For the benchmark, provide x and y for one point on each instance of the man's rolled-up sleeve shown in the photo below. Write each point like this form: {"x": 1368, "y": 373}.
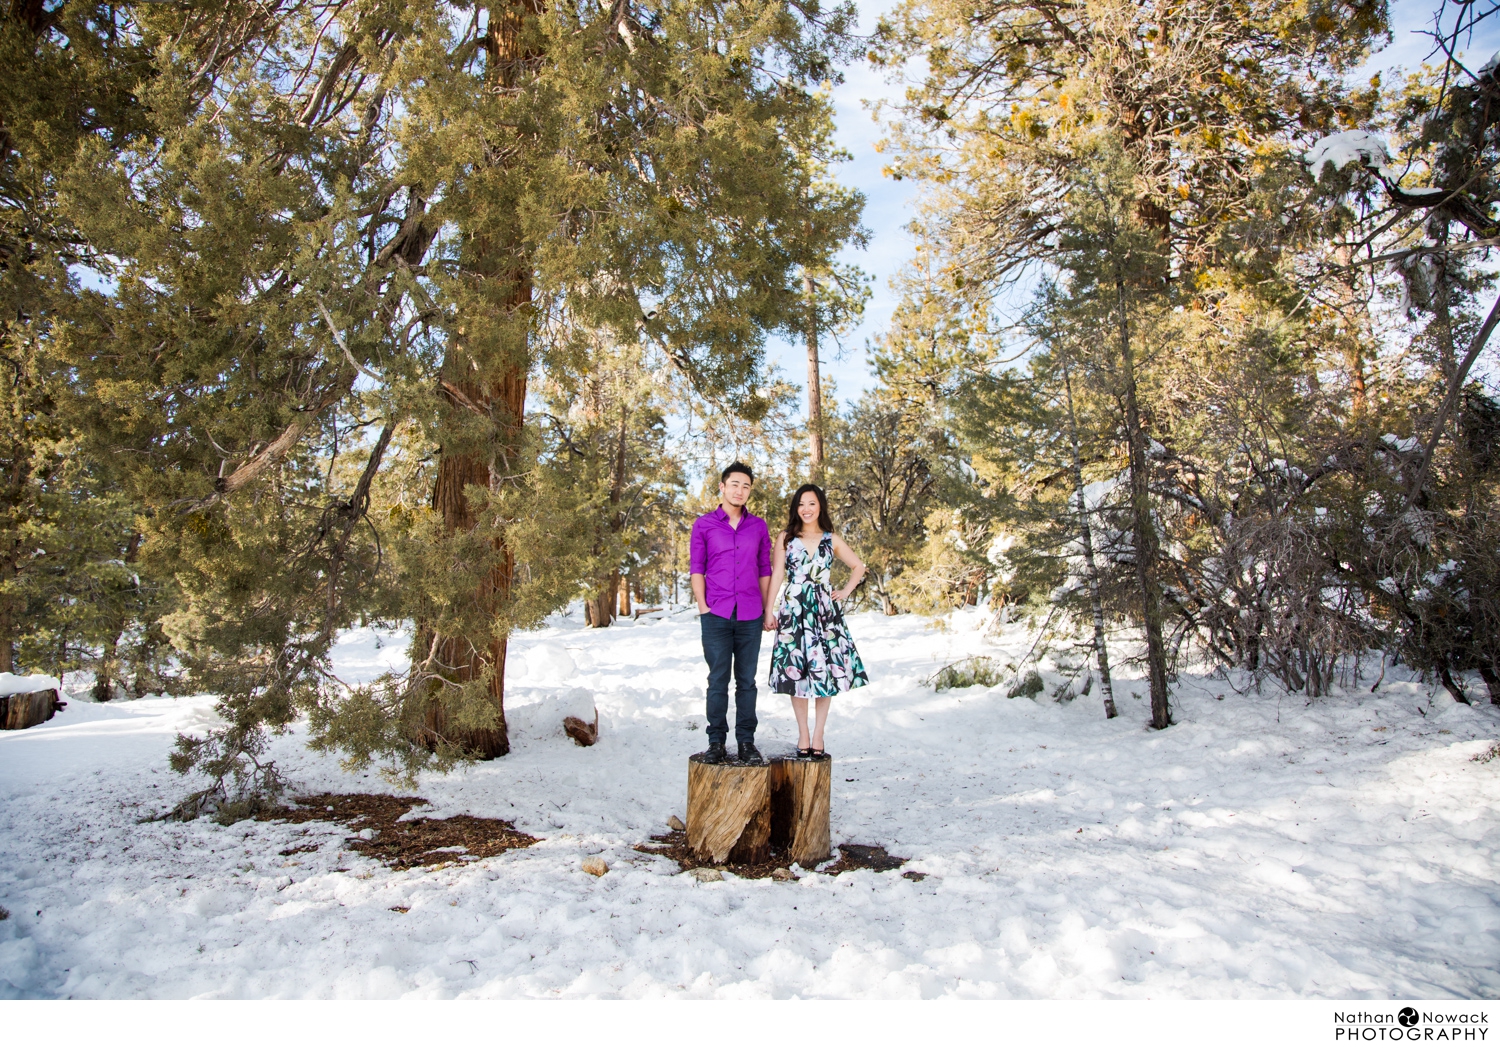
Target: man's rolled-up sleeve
{"x": 698, "y": 551}
{"x": 763, "y": 556}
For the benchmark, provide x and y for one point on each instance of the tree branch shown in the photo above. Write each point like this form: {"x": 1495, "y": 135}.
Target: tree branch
{"x": 1455, "y": 387}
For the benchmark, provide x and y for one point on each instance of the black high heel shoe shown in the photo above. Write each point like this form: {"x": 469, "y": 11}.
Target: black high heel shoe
{"x": 804, "y": 752}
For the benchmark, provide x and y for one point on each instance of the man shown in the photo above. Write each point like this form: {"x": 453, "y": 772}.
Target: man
{"x": 730, "y": 562}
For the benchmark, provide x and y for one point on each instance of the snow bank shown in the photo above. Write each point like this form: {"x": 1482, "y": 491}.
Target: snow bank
{"x": 1262, "y": 847}
{"x": 545, "y": 663}
{"x": 544, "y": 717}
{"x": 26, "y": 683}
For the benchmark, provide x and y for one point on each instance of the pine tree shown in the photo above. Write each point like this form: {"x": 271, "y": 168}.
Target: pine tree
{"x": 67, "y": 534}
{"x": 1147, "y": 151}
{"x": 884, "y": 478}
{"x": 607, "y": 448}
{"x": 1420, "y": 539}
{"x": 833, "y": 293}
{"x": 346, "y": 244}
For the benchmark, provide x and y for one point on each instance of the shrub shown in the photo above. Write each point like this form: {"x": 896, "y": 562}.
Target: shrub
{"x": 977, "y": 670}
{"x": 1028, "y": 685}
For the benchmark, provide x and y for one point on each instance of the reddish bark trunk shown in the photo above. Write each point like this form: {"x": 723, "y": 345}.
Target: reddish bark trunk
{"x": 482, "y": 657}
{"x": 467, "y": 659}
{"x": 814, "y": 385}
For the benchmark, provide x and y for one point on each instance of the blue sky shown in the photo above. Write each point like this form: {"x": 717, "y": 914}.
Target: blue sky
{"x": 889, "y": 205}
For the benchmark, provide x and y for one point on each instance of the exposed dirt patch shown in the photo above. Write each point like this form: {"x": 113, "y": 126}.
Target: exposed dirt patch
{"x": 851, "y": 857}
{"x": 402, "y": 844}
{"x": 673, "y": 846}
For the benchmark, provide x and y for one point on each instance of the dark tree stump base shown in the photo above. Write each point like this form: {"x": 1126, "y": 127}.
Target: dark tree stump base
{"x": 24, "y": 710}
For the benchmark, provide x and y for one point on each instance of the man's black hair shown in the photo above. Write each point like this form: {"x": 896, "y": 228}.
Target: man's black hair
{"x": 736, "y": 468}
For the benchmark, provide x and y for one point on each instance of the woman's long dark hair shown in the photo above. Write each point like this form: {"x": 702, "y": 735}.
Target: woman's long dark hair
{"x": 794, "y": 523}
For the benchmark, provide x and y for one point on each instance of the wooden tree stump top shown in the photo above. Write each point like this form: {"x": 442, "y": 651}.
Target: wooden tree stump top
{"x": 801, "y": 790}
{"x": 729, "y": 811}
{"x": 739, "y": 813}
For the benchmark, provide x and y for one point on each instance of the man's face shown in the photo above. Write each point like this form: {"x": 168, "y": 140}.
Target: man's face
{"x": 735, "y": 489}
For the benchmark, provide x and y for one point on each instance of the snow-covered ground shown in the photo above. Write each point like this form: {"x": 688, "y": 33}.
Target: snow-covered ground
{"x": 1263, "y": 846}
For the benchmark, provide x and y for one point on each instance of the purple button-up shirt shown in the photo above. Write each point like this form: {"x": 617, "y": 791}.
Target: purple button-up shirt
{"x": 732, "y": 562}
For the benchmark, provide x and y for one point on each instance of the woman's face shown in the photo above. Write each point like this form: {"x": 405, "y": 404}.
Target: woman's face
{"x": 808, "y": 508}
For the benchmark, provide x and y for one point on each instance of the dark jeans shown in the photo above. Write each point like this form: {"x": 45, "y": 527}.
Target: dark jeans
{"x": 731, "y": 645}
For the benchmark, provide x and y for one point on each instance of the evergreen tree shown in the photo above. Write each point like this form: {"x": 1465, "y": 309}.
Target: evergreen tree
{"x": 1419, "y": 539}
{"x": 349, "y": 239}
{"x": 68, "y": 583}
{"x": 1150, "y": 153}
{"x": 884, "y": 478}
{"x": 607, "y": 447}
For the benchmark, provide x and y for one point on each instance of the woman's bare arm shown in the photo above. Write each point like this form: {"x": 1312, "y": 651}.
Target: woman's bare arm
{"x": 842, "y": 552}
{"x": 778, "y": 575}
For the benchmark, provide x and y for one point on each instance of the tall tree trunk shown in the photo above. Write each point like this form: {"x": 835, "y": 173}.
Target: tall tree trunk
{"x": 1354, "y": 362}
{"x": 482, "y": 656}
{"x": 814, "y": 383}
{"x": 599, "y": 607}
{"x": 1445, "y": 675}
{"x": 1142, "y": 526}
{"x": 12, "y": 517}
{"x": 479, "y": 658}
{"x": 1450, "y": 400}
{"x": 109, "y": 658}
{"x": 1354, "y": 357}
{"x": 1091, "y": 570}
{"x": 1442, "y": 306}
{"x": 8, "y": 627}
{"x": 1491, "y": 678}
{"x": 602, "y": 608}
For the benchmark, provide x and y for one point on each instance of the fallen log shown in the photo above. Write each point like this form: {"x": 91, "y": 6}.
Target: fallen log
{"x": 584, "y": 734}
{"x": 24, "y": 710}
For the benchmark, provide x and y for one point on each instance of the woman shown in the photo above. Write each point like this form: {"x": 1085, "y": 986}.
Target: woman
{"x": 813, "y": 655}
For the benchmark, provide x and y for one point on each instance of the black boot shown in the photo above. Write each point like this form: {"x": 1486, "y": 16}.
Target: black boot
{"x": 715, "y": 754}
{"x": 749, "y": 755}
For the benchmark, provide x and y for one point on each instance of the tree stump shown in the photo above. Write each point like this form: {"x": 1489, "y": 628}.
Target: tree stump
{"x": 729, "y": 812}
{"x": 800, "y": 791}
{"x": 24, "y": 710}
{"x": 739, "y": 813}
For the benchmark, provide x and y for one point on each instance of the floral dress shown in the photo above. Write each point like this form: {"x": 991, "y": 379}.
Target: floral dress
{"x": 813, "y": 655}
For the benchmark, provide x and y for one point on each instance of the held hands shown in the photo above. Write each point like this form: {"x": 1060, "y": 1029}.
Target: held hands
{"x": 770, "y": 622}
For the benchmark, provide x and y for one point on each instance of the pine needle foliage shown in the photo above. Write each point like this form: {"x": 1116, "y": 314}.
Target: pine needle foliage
{"x": 299, "y": 263}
